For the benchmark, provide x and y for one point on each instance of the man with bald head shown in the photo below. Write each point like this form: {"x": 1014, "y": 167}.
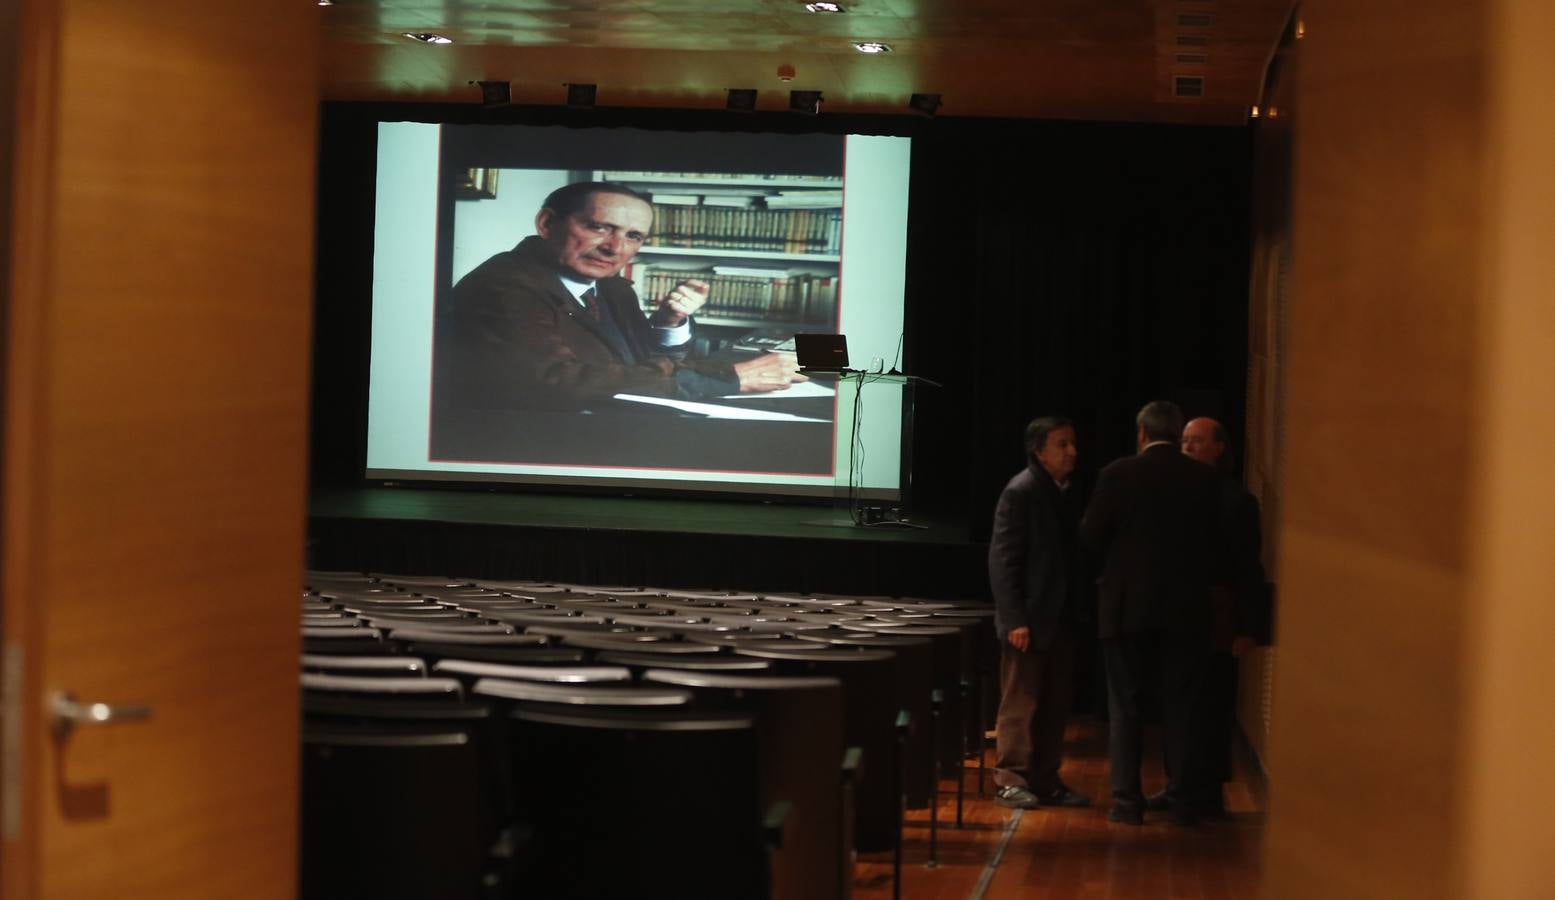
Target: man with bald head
{"x": 1237, "y": 605}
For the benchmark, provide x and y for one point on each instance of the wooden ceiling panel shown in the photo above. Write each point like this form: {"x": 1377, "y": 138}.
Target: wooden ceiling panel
{"x": 1061, "y": 58}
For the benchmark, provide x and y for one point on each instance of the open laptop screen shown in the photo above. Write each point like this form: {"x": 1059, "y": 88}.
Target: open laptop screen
{"x": 821, "y": 352}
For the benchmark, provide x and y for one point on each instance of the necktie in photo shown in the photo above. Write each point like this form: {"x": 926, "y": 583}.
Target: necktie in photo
{"x": 591, "y": 304}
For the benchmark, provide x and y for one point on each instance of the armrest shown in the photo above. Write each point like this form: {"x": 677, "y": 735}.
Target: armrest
{"x": 852, "y": 764}
{"x": 772, "y": 823}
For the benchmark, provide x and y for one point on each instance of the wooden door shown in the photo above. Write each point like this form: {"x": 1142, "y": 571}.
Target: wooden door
{"x": 157, "y": 305}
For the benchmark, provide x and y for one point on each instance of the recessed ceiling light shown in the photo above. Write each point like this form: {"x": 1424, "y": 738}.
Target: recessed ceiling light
{"x": 326, "y": 2}
{"x": 824, "y": 7}
{"x": 427, "y": 37}
{"x": 872, "y": 47}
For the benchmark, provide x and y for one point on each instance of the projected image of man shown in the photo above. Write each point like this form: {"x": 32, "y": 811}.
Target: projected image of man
{"x": 551, "y": 324}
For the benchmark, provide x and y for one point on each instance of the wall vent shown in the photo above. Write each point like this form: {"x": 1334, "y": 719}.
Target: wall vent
{"x": 1188, "y": 86}
{"x": 1193, "y": 59}
{"x": 1192, "y": 40}
{"x": 1195, "y": 20}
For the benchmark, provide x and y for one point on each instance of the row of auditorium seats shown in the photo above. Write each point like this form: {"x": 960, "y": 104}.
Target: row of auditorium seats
{"x": 474, "y": 738}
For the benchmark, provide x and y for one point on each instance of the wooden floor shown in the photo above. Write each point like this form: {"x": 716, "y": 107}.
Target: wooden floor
{"x": 1074, "y": 853}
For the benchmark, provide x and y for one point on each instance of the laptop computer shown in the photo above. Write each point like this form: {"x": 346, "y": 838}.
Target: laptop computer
{"x": 822, "y": 352}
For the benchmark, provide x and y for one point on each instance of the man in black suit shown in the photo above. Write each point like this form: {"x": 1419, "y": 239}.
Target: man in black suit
{"x": 1033, "y": 574}
{"x": 1239, "y": 608}
{"x": 1153, "y": 521}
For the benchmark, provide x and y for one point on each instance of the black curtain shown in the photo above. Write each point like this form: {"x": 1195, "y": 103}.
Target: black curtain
{"x": 1077, "y": 269}
{"x": 1070, "y": 269}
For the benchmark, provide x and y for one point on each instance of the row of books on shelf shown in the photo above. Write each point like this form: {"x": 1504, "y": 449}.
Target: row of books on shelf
{"x": 744, "y": 198}
{"x": 817, "y": 231}
{"x": 744, "y": 292}
{"x": 623, "y": 175}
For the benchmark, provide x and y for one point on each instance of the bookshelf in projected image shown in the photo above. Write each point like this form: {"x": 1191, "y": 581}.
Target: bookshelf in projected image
{"x": 769, "y": 246}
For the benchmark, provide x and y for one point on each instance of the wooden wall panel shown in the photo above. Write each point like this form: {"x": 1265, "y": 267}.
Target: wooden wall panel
{"x": 1510, "y": 737}
{"x": 1382, "y": 373}
{"x": 1411, "y": 749}
{"x": 156, "y": 436}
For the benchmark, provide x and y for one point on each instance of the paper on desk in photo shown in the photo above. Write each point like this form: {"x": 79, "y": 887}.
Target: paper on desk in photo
{"x": 798, "y": 390}
{"x": 718, "y": 410}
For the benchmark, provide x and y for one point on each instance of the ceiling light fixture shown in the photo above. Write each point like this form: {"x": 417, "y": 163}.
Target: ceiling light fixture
{"x": 872, "y": 47}
{"x": 824, "y": 7}
{"x": 326, "y": 2}
{"x": 427, "y": 37}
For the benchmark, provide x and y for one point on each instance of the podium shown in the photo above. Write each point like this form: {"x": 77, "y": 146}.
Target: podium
{"x": 856, "y": 490}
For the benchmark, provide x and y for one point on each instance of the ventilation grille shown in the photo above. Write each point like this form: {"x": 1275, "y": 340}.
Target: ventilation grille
{"x": 1192, "y": 58}
{"x": 1192, "y": 40}
{"x": 1188, "y": 86}
{"x": 1195, "y": 20}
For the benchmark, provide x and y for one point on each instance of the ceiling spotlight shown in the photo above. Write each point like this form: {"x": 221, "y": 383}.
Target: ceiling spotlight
{"x": 824, "y": 7}
{"x": 580, "y": 95}
{"x": 807, "y": 102}
{"x": 924, "y": 104}
{"x": 741, "y": 99}
{"x": 1255, "y": 111}
{"x": 326, "y": 2}
{"x": 495, "y": 93}
{"x": 872, "y": 47}
{"x": 427, "y": 37}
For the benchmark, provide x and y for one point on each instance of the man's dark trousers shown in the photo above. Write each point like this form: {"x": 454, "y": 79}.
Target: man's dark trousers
{"x": 1037, "y": 686}
{"x": 1176, "y": 663}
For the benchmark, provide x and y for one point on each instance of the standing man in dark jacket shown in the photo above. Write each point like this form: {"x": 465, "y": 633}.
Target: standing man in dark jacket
{"x": 1239, "y": 608}
{"x": 1153, "y": 521}
{"x": 1033, "y": 573}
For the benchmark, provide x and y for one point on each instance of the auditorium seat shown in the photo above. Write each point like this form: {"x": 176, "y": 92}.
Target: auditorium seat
{"x": 370, "y": 666}
{"x": 915, "y": 680}
{"x": 952, "y": 666}
{"x": 870, "y": 716}
{"x": 470, "y": 671}
{"x": 634, "y": 641}
{"x": 341, "y": 641}
{"x": 800, "y": 750}
{"x": 650, "y": 802}
{"x": 412, "y": 637}
{"x": 643, "y": 658}
{"x": 407, "y": 792}
{"x": 387, "y": 813}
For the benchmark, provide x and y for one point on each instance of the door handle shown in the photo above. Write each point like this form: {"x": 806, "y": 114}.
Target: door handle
{"x": 70, "y": 712}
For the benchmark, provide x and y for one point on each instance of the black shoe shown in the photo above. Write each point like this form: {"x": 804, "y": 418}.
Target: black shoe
{"x": 1065, "y": 797}
{"x": 1126, "y": 815}
{"x": 1158, "y": 802}
{"x": 1014, "y": 797}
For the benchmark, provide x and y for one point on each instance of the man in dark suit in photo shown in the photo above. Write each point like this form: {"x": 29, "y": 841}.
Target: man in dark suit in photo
{"x": 1154, "y": 524}
{"x": 1037, "y": 589}
{"x": 551, "y": 324}
{"x": 1239, "y": 608}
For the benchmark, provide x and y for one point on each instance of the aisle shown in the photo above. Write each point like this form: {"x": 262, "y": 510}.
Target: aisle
{"x": 1000, "y": 854}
